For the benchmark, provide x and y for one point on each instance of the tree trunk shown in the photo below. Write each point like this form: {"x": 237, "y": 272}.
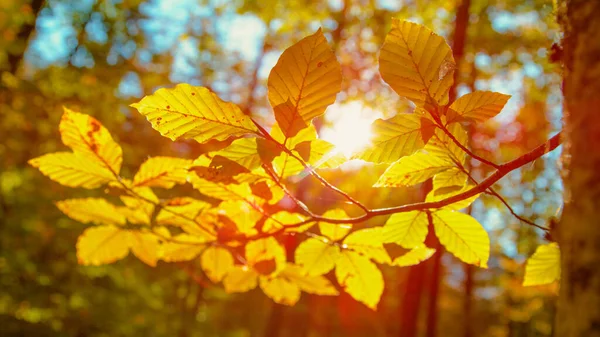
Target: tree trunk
{"x": 578, "y": 233}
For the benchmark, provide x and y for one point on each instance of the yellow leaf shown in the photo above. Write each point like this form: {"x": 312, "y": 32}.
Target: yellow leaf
{"x": 396, "y": 137}
{"x": 441, "y": 194}
{"x": 162, "y": 172}
{"x": 216, "y": 263}
{"x": 94, "y": 210}
{"x": 85, "y": 135}
{"x": 285, "y": 219}
{"x": 332, "y": 231}
{"x": 305, "y": 80}
{"x": 408, "y": 230}
{"x": 320, "y": 154}
{"x": 417, "y": 64}
{"x": 453, "y": 177}
{"x": 442, "y": 146}
{"x": 462, "y": 236}
{"x": 187, "y": 112}
{"x": 218, "y": 190}
{"x": 477, "y": 106}
{"x": 281, "y": 290}
{"x": 267, "y": 249}
{"x": 243, "y": 151}
{"x": 72, "y": 170}
{"x": 240, "y": 279}
{"x": 543, "y": 266}
{"x": 183, "y": 247}
{"x": 139, "y": 210}
{"x": 368, "y": 242}
{"x": 360, "y": 278}
{"x": 145, "y": 246}
{"x": 318, "y": 285}
{"x": 102, "y": 245}
{"x": 242, "y": 214}
{"x": 414, "y": 256}
{"x": 316, "y": 257}
{"x": 413, "y": 169}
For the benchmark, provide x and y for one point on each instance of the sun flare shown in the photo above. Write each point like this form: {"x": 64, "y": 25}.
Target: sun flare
{"x": 350, "y": 129}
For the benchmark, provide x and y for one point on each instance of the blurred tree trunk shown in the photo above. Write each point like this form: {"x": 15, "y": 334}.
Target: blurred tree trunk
{"x": 578, "y": 233}
{"x": 26, "y": 31}
{"x": 459, "y": 41}
{"x": 411, "y": 301}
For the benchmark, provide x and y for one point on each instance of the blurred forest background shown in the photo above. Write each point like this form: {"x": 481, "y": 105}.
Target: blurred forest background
{"x": 99, "y": 56}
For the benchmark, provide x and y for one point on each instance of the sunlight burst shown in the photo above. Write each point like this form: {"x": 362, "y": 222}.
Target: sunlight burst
{"x": 350, "y": 129}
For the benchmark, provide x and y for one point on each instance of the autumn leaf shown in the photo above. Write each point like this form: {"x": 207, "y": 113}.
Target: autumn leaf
{"x": 414, "y": 256}
{"x": 316, "y": 257}
{"x": 187, "y": 112}
{"x": 543, "y": 266}
{"x": 162, "y": 172}
{"x": 240, "y": 279}
{"x": 333, "y": 231}
{"x": 86, "y": 136}
{"x": 396, "y": 137}
{"x": 413, "y": 169}
{"x": 369, "y": 243}
{"x": 417, "y": 64}
{"x": 92, "y": 210}
{"x": 72, "y": 170}
{"x": 462, "y": 236}
{"x": 182, "y": 247}
{"x": 102, "y": 245}
{"x": 305, "y": 80}
{"x": 360, "y": 278}
{"x": 408, "y": 229}
{"x": 477, "y": 106}
{"x": 216, "y": 263}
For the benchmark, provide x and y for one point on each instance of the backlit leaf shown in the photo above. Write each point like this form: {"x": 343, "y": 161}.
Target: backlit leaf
{"x": 72, "y": 170}
{"x": 91, "y": 210}
{"x": 407, "y": 229}
{"x": 453, "y": 177}
{"x": 414, "y": 256}
{"x": 368, "y": 242}
{"x": 187, "y": 112}
{"x": 240, "y": 279}
{"x": 267, "y": 249}
{"x": 413, "y": 169}
{"x": 85, "y": 135}
{"x": 145, "y": 246}
{"x": 162, "y": 172}
{"x": 396, "y": 137}
{"x": 318, "y": 285}
{"x": 462, "y": 236}
{"x": 360, "y": 278}
{"x": 183, "y": 247}
{"x": 316, "y": 256}
{"x": 441, "y": 194}
{"x": 477, "y": 106}
{"x": 102, "y": 245}
{"x": 305, "y": 80}
{"x": 332, "y": 231}
{"x": 417, "y": 63}
{"x": 543, "y": 266}
{"x": 442, "y": 146}
{"x": 280, "y": 289}
{"x": 216, "y": 263}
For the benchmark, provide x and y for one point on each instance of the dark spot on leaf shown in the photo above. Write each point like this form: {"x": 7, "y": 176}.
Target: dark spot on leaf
{"x": 95, "y": 126}
{"x": 168, "y": 107}
{"x": 193, "y": 94}
{"x": 266, "y": 267}
{"x": 319, "y": 64}
{"x": 94, "y": 147}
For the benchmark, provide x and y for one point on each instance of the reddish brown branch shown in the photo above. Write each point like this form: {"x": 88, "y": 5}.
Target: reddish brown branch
{"x": 502, "y": 170}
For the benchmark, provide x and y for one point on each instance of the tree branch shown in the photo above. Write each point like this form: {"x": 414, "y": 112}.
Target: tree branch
{"x": 502, "y": 170}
